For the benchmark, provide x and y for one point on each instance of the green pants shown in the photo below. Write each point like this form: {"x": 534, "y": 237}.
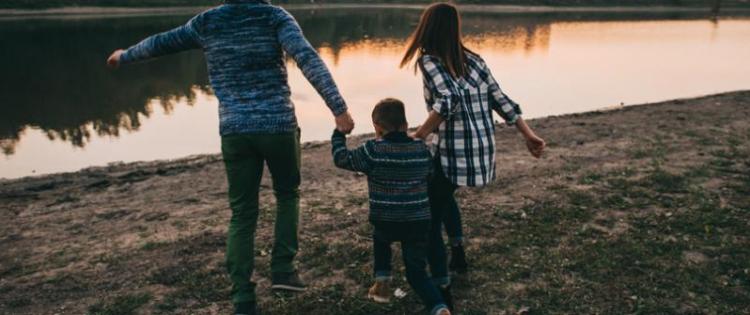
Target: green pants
{"x": 244, "y": 156}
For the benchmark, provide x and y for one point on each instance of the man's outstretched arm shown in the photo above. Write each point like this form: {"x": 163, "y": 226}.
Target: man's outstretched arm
{"x": 179, "y": 39}
{"x": 315, "y": 70}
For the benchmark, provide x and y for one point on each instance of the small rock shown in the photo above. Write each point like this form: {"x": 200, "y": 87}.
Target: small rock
{"x": 694, "y": 257}
{"x": 399, "y": 294}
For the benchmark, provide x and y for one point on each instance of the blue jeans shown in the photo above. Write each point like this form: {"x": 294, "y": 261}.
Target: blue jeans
{"x": 444, "y": 211}
{"x": 414, "y": 245}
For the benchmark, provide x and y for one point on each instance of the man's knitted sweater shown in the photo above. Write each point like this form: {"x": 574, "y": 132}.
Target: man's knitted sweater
{"x": 244, "y": 42}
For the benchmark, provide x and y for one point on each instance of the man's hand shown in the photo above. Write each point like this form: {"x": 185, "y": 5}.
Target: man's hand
{"x": 536, "y": 146}
{"x": 345, "y": 123}
{"x": 114, "y": 59}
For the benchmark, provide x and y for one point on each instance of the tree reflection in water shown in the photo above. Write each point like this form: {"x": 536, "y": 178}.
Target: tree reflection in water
{"x": 54, "y": 77}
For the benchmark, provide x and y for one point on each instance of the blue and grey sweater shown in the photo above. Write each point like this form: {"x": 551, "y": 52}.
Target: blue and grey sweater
{"x": 397, "y": 169}
{"x": 244, "y": 42}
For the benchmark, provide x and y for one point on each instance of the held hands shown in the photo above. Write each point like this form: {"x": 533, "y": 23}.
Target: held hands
{"x": 114, "y": 60}
{"x": 345, "y": 123}
{"x": 535, "y": 145}
{"x": 418, "y": 135}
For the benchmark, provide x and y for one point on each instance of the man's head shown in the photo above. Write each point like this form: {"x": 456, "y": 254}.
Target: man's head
{"x": 389, "y": 116}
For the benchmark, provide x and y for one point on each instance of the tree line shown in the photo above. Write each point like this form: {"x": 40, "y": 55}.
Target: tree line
{"x": 162, "y": 3}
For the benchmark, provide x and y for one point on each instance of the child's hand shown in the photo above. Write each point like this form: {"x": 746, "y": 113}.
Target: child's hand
{"x": 114, "y": 59}
{"x": 417, "y": 136}
{"x": 536, "y": 146}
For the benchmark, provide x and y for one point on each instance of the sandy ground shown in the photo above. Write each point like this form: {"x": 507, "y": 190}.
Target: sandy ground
{"x": 149, "y": 237}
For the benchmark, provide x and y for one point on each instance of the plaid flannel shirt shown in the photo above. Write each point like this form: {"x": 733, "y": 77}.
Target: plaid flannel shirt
{"x": 465, "y": 141}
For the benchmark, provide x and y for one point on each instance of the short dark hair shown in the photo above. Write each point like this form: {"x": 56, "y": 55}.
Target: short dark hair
{"x": 389, "y": 114}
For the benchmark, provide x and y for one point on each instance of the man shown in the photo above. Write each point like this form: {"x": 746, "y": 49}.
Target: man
{"x": 244, "y": 42}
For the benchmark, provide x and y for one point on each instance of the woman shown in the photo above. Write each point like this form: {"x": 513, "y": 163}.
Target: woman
{"x": 461, "y": 94}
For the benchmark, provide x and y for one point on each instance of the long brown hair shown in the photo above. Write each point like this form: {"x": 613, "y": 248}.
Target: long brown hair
{"x": 439, "y": 34}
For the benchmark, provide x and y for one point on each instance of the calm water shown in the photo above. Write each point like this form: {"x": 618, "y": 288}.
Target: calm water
{"x": 62, "y": 110}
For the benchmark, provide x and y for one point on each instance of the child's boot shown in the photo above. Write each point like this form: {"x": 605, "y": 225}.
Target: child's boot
{"x": 380, "y": 292}
{"x": 443, "y": 311}
{"x": 445, "y": 291}
{"x": 458, "y": 259}
{"x": 246, "y": 308}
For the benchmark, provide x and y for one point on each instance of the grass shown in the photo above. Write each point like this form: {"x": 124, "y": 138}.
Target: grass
{"x": 122, "y": 305}
{"x": 195, "y": 282}
{"x": 644, "y": 272}
{"x": 154, "y": 245}
{"x": 664, "y": 231}
{"x": 642, "y": 240}
{"x": 19, "y": 302}
{"x": 563, "y": 268}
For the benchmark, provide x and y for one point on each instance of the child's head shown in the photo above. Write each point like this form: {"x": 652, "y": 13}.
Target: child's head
{"x": 389, "y": 116}
{"x": 439, "y": 34}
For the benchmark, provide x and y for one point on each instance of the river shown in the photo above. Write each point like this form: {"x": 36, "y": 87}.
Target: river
{"x": 63, "y": 110}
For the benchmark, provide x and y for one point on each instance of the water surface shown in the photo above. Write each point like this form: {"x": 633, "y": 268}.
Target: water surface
{"x": 62, "y": 110}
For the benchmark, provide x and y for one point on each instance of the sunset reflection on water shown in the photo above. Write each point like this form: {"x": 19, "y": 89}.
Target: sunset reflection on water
{"x": 550, "y": 67}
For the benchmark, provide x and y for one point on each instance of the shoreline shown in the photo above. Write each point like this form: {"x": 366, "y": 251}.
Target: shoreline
{"x": 312, "y": 144}
{"x": 135, "y": 11}
{"x": 619, "y": 196}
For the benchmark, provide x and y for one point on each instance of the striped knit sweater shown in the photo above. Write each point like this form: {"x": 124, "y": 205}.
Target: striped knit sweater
{"x": 244, "y": 42}
{"x": 397, "y": 169}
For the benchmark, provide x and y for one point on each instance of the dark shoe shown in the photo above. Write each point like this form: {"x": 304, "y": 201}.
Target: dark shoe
{"x": 246, "y": 308}
{"x": 287, "y": 282}
{"x": 458, "y": 260}
{"x": 447, "y": 297}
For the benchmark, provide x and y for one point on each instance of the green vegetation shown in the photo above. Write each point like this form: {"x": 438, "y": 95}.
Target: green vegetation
{"x": 649, "y": 221}
{"x": 122, "y": 305}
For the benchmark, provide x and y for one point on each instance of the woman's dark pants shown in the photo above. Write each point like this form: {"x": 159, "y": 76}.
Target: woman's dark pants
{"x": 444, "y": 208}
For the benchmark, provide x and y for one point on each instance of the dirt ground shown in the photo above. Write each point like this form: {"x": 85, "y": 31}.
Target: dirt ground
{"x": 643, "y": 209}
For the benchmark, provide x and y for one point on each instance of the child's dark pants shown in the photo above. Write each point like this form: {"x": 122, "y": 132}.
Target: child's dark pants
{"x": 414, "y": 240}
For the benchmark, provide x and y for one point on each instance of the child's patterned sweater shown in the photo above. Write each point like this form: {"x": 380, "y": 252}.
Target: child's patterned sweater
{"x": 397, "y": 169}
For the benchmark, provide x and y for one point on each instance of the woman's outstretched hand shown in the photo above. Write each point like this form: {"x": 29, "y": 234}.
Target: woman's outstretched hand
{"x": 345, "y": 123}
{"x": 535, "y": 145}
{"x": 114, "y": 60}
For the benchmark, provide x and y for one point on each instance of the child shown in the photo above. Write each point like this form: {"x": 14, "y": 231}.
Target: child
{"x": 397, "y": 169}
